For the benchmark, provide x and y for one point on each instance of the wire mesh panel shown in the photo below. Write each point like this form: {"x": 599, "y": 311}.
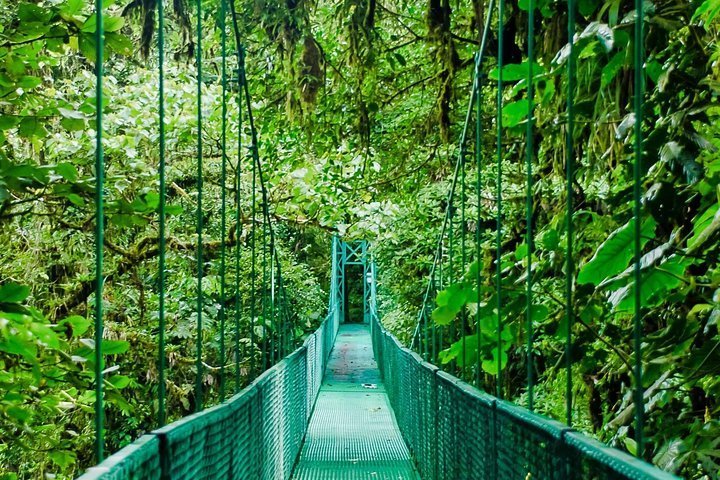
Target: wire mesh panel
{"x": 294, "y": 408}
{"x": 138, "y": 461}
{"x": 244, "y": 411}
{"x": 589, "y": 459}
{"x": 311, "y": 368}
{"x": 422, "y": 428}
{"x": 271, "y": 414}
{"x": 456, "y": 431}
{"x": 257, "y": 433}
{"x": 465, "y": 431}
{"x": 527, "y": 445}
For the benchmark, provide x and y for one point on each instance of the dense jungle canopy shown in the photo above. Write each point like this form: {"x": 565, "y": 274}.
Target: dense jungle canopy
{"x": 359, "y": 105}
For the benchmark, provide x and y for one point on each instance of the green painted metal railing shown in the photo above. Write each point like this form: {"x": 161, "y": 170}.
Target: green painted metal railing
{"x": 257, "y": 433}
{"x": 454, "y": 430}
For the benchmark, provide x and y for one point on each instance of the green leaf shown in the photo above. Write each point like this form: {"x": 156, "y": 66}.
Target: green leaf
{"x": 119, "y": 43}
{"x": 587, "y": 7}
{"x": 114, "y": 347}
{"x": 704, "y": 226}
{"x": 90, "y": 24}
{"x": 455, "y": 351}
{"x": 708, "y": 10}
{"x": 14, "y": 293}
{"x": 67, "y": 171}
{"x": 491, "y": 366}
{"x": 539, "y": 313}
{"x": 30, "y": 13}
{"x": 655, "y": 284}
{"x": 86, "y": 44}
{"x": 119, "y": 381}
{"x": 443, "y": 315}
{"x": 453, "y": 297}
{"x": 514, "y": 72}
{"x": 610, "y": 71}
{"x": 45, "y": 334}
{"x": 28, "y": 82}
{"x": 75, "y": 199}
{"x": 73, "y": 7}
{"x": 62, "y": 458}
{"x": 515, "y": 113}
{"x": 173, "y": 209}
{"x": 8, "y": 121}
{"x": 113, "y": 24}
{"x": 614, "y": 254}
{"x": 20, "y": 414}
{"x": 630, "y": 445}
{"x": 78, "y": 324}
{"x": 127, "y": 220}
{"x": 549, "y": 240}
{"x": 32, "y": 127}
{"x": 110, "y": 24}
{"x": 152, "y": 200}
{"x": 17, "y": 346}
{"x": 654, "y": 70}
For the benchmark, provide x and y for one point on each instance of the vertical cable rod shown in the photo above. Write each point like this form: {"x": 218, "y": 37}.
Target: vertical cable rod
{"x": 570, "y": 174}
{"x": 161, "y": 212}
{"x": 463, "y": 257}
{"x": 238, "y": 235}
{"x": 529, "y": 152}
{"x": 199, "y": 220}
{"x": 478, "y": 185}
{"x": 498, "y": 200}
{"x": 637, "y": 178}
{"x": 99, "y": 232}
{"x": 223, "y": 192}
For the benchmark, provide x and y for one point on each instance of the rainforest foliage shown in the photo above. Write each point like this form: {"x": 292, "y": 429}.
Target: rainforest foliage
{"x": 359, "y": 105}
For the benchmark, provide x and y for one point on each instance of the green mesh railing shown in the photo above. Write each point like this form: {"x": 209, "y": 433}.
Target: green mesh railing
{"x": 257, "y": 433}
{"x": 454, "y": 430}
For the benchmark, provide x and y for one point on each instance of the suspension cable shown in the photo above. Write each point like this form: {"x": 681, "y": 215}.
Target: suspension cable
{"x": 529, "y": 152}
{"x": 498, "y": 199}
{"x": 639, "y": 79}
{"x": 478, "y": 184}
{"x": 570, "y": 174}
{"x": 223, "y": 197}
{"x": 99, "y": 232}
{"x": 463, "y": 259}
{"x": 161, "y": 212}
{"x": 199, "y": 219}
{"x": 238, "y": 232}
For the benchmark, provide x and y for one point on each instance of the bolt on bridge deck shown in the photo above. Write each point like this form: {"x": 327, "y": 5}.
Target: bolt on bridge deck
{"x": 353, "y": 433}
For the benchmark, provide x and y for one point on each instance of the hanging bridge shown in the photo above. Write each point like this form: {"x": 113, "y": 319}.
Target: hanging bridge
{"x": 351, "y": 401}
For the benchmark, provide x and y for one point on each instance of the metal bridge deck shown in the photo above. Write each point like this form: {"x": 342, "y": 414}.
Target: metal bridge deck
{"x": 353, "y": 433}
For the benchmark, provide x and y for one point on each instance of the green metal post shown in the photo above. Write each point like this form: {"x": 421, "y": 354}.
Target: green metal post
{"x": 199, "y": 220}
{"x": 638, "y": 391}
{"x": 161, "y": 263}
{"x": 478, "y": 236}
{"x": 223, "y": 195}
{"x": 498, "y": 218}
{"x": 99, "y": 232}
{"x": 570, "y": 174}
{"x": 529, "y": 152}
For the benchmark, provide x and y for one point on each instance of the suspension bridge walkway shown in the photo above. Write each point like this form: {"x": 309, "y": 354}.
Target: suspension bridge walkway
{"x": 351, "y": 402}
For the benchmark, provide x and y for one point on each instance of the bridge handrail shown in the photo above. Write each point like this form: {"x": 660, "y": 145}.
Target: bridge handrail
{"x": 257, "y": 433}
{"x": 454, "y": 430}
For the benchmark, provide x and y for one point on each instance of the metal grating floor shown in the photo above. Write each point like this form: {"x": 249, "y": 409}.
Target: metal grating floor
{"x": 353, "y": 433}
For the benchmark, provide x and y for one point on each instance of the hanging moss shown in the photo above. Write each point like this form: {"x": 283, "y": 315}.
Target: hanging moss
{"x": 311, "y": 70}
